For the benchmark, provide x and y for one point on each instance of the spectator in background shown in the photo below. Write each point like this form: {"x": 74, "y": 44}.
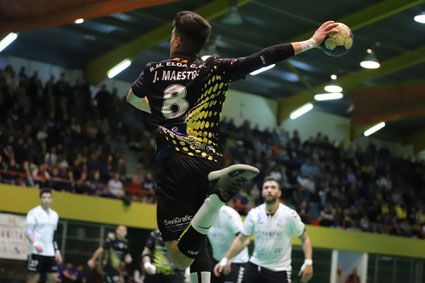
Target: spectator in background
{"x": 149, "y": 184}
{"x": 68, "y": 274}
{"x": 134, "y": 188}
{"x": 82, "y": 185}
{"x": 41, "y": 176}
{"x": 353, "y": 277}
{"x": 116, "y": 187}
{"x": 97, "y": 186}
{"x": 82, "y": 275}
{"x": 50, "y": 157}
{"x": 339, "y": 275}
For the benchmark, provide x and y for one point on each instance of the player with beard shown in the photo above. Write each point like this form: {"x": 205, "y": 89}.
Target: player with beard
{"x": 272, "y": 224}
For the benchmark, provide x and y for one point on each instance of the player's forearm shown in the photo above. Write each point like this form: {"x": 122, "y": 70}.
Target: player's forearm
{"x": 307, "y": 247}
{"x": 146, "y": 255}
{"x": 302, "y": 46}
{"x": 31, "y": 239}
{"x": 97, "y": 253}
{"x": 238, "y": 244}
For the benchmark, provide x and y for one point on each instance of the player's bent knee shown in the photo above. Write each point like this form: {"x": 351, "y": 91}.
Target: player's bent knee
{"x": 180, "y": 260}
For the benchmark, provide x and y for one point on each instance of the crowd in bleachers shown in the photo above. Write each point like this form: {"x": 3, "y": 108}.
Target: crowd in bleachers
{"x": 72, "y": 139}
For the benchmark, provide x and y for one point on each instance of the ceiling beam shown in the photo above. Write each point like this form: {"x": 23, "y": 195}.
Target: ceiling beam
{"x": 370, "y": 15}
{"x": 352, "y": 80}
{"x": 374, "y": 105}
{"x": 355, "y": 21}
{"x": 43, "y": 14}
{"x": 97, "y": 69}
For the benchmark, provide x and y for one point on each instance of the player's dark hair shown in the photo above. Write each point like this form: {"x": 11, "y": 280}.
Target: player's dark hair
{"x": 45, "y": 191}
{"x": 193, "y": 30}
{"x": 270, "y": 178}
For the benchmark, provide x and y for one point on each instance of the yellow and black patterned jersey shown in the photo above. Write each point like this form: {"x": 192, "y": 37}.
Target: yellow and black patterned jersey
{"x": 186, "y": 96}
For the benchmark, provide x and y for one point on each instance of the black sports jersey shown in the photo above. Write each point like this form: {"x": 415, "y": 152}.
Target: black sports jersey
{"x": 160, "y": 258}
{"x": 114, "y": 252}
{"x": 186, "y": 96}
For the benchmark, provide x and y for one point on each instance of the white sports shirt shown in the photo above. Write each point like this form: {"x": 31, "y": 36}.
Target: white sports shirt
{"x": 44, "y": 225}
{"x": 273, "y": 236}
{"x": 227, "y": 225}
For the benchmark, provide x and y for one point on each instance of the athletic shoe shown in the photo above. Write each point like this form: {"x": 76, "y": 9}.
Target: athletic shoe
{"x": 228, "y": 181}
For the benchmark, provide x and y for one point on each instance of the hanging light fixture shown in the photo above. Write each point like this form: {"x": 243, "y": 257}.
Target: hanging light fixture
{"x": 370, "y": 61}
{"x": 420, "y": 18}
{"x": 233, "y": 17}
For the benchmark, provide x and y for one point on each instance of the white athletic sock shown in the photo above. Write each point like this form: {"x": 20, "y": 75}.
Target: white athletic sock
{"x": 207, "y": 213}
{"x": 205, "y": 277}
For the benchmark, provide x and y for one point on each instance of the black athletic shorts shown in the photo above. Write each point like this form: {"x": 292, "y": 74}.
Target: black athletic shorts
{"x": 257, "y": 274}
{"x": 42, "y": 264}
{"x": 236, "y": 274}
{"x": 182, "y": 188}
{"x": 112, "y": 275}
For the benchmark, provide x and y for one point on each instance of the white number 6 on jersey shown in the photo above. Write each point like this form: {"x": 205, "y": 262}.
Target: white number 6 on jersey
{"x": 174, "y": 103}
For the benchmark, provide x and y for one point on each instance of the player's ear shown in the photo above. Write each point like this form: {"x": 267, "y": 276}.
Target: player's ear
{"x": 178, "y": 41}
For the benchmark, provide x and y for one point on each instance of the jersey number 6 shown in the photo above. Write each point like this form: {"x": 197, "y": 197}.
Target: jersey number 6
{"x": 174, "y": 103}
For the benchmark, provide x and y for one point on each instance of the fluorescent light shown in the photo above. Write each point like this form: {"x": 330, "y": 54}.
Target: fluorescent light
{"x": 79, "y": 21}
{"x": 301, "y": 111}
{"x": 420, "y": 18}
{"x": 370, "y": 64}
{"x": 333, "y": 88}
{"x": 119, "y": 68}
{"x": 263, "y": 69}
{"x": 328, "y": 96}
{"x": 374, "y": 129}
{"x": 8, "y": 39}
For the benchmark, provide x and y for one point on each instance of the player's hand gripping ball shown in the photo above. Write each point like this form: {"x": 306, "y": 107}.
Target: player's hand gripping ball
{"x": 338, "y": 43}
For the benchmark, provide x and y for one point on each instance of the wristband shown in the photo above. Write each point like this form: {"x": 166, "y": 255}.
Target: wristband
{"x": 223, "y": 261}
{"x": 148, "y": 265}
{"x": 306, "y": 262}
{"x": 35, "y": 243}
{"x": 308, "y": 44}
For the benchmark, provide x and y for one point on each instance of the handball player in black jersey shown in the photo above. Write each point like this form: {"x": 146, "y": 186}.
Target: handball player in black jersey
{"x": 184, "y": 96}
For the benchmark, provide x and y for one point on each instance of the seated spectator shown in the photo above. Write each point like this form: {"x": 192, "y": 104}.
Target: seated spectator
{"x": 134, "y": 188}
{"x": 115, "y": 187}
{"x": 82, "y": 185}
{"x": 82, "y": 275}
{"x": 149, "y": 185}
{"x": 68, "y": 274}
{"x": 41, "y": 176}
{"x": 97, "y": 186}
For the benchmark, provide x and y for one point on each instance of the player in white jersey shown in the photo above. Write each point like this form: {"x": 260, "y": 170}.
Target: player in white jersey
{"x": 272, "y": 224}
{"x": 44, "y": 254}
{"x": 221, "y": 235}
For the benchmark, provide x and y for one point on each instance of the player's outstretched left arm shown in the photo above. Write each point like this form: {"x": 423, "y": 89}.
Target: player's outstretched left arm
{"x": 139, "y": 103}
{"x": 318, "y": 37}
{"x": 306, "y": 271}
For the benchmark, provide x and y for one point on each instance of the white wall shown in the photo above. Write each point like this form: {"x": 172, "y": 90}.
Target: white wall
{"x": 46, "y": 70}
{"x": 396, "y": 148}
{"x": 337, "y": 128}
{"x": 256, "y": 109}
